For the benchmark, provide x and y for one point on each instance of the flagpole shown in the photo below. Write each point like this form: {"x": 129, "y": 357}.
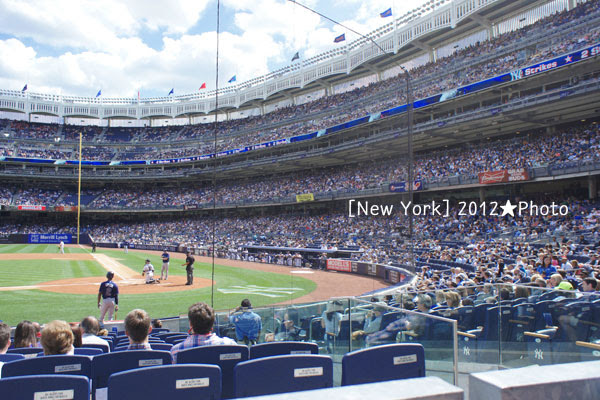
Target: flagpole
{"x": 409, "y": 122}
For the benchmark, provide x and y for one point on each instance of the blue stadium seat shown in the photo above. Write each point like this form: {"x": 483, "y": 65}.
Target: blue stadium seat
{"x": 26, "y": 351}
{"x": 154, "y": 346}
{"x": 226, "y": 357}
{"x": 87, "y": 351}
{"x": 173, "y": 382}
{"x": 102, "y": 347}
{"x": 27, "y": 387}
{"x": 159, "y": 330}
{"x": 174, "y": 339}
{"x": 282, "y": 374}
{"x": 105, "y": 365}
{"x": 282, "y": 348}
{"x": 60, "y": 364}
{"x": 11, "y": 357}
{"x": 383, "y": 363}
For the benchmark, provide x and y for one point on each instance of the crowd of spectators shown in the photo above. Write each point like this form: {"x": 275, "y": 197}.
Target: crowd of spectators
{"x": 574, "y": 143}
{"x": 468, "y": 65}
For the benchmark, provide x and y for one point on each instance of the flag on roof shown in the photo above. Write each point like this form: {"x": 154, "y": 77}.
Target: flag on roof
{"x": 171, "y": 92}
{"x": 386, "y": 13}
{"x": 203, "y": 86}
{"x": 24, "y": 88}
{"x": 296, "y": 56}
{"x": 233, "y": 79}
{"x": 99, "y": 93}
{"x": 340, "y": 38}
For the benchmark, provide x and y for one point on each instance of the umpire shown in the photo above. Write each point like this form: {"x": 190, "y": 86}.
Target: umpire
{"x": 189, "y": 267}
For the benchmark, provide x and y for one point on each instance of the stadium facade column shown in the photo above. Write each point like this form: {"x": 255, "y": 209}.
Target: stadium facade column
{"x": 481, "y": 194}
{"x": 593, "y": 187}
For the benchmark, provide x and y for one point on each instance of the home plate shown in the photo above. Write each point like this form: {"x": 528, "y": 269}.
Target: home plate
{"x": 303, "y": 272}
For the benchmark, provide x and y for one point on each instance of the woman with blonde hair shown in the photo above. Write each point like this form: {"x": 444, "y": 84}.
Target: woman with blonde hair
{"x": 57, "y": 338}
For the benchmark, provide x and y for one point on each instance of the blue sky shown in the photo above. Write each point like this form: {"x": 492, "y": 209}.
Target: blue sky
{"x": 122, "y": 47}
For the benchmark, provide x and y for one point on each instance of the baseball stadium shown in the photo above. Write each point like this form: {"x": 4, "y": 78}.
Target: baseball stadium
{"x": 366, "y": 199}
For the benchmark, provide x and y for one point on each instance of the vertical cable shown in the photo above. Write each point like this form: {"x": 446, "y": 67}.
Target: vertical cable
{"x": 214, "y": 178}
{"x": 79, "y": 188}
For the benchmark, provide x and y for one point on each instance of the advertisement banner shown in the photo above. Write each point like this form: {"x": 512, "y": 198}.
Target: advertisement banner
{"x": 47, "y": 238}
{"x": 65, "y": 208}
{"x": 503, "y": 176}
{"x": 401, "y": 186}
{"x": 305, "y": 197}
{"x": 339, "y": 265}
{"x": 28, "y": 207}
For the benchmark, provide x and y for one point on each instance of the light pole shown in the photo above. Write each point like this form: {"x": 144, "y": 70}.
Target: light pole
{"x": 409, "y": 123}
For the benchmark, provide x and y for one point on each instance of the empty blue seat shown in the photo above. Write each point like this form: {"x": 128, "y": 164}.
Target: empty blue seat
{"x": 32, "y": 387}
{"x": 282, "y": 374}
{"x": 56, "y": 364}
{"x": 282, "y": 348}
{"x": 174, "y": 339}
{"x": 172, "y": 382}
{"x": 383, "y": 363}
{"x": 226, "y": 357}
{"x": 105, "y": 365}
{"x": 104, "y": 348}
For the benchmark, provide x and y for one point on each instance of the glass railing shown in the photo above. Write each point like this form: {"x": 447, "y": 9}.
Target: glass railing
{"x": 343, "y": 325}
{"x": 509, "y": 326}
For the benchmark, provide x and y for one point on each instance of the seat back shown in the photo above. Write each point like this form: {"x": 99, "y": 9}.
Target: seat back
{"x": 105, "y": 348}
{"x": 104, "y": 365}
{"x": 285, "y": 374}
{"x": 383, "y": 363}
{"x": 11, "y": 357}
{"x": 28, "y": 352}
{"x": 225, "y": 356}
{"x": 173, "y": 382}
{"x": 44, "y": 386}
{"x": 174, "y": 339}
{"x": 87, "y": 351}
{"x": 48, "y": 365}
{"x": 282, "y": 348}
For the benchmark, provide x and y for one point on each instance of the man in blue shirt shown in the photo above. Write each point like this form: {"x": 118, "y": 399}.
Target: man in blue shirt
{"x": 108, "y": 297}
{"x": 165, "y": 266}
{"x": 248, "y": 324}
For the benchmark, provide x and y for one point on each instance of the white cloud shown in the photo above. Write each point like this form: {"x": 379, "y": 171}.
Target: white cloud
{"x": 88, "y": 45}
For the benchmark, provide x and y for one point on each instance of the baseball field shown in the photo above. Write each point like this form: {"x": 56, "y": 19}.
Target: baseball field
{"x": 40, "y": 284}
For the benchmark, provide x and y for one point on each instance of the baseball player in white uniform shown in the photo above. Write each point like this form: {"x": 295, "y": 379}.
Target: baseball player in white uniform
{"x": 61, "y": 247}
{"x": 149, "y": 272}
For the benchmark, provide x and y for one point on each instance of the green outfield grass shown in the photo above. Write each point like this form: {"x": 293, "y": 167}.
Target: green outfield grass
{"x": 262, "y": 288}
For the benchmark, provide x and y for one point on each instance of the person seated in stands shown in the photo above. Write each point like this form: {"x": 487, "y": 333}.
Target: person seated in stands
{"x": 546, "y": 269}
{"x": 589, "y": 285}
{"x": 288, "y": 329}
{"x": 57, "y": 338}
{"x": 555, "y": 280}
{"x": 201, "y": 318}
{"x": 413, "y": 324}
{"x": 467, "y": 302}
{"x": 91, "y": 327}
{"x": 77, "y": 334}
{"x": 25, "y": 335}
{"x": 331, "y": 321}
{"x": 452, "y": 299}
{"x": 521, "y": 292}
{"x": 372, "y": 322}
{"x": 4, "y": 341}
{"x": 137, "y": 329}
{"x": 247, "y": 323}
{"x": 156, "y": 323}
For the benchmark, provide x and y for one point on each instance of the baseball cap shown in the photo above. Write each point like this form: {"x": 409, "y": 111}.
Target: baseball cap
{"x": 110, "y": 274}
{"x": 564, "y": 285}
{"x": 147, "y": 260}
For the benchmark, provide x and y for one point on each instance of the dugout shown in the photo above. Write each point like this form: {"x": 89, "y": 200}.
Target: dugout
{"x": 314, "y": 257}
